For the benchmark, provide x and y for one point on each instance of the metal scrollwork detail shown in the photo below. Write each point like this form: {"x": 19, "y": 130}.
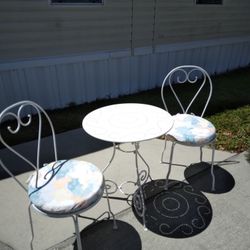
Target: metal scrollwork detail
{"x": 10, "y": 115}
{"x": 18, "y": 119}
{"x": 19, "y": 123}
{"x": 130, "y": 200}
{"x": 143, "y": 175}
{"x": 181, "y": 75}
{"x": 187, "y": 74}
{"x": 111, "y": 187}
{"x": 15, "y": 113}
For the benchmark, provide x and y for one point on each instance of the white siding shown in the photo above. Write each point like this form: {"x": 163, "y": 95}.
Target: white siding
{"x": 60, "y": 81}
{"x": 62, "y": 55}
{"x": 35, "y": 29}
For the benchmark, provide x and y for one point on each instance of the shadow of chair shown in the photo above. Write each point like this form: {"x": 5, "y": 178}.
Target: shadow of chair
{"x": 100, "y": 236}
{"x": 197, "y": 175}
{"x": 189, "y": 129}
{"x": 59, "y": 189}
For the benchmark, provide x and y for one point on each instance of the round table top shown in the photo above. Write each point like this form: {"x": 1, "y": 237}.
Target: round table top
{"x": 128, "y": 122}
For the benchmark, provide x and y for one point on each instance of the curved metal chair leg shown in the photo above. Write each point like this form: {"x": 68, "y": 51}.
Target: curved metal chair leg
{"x": 109, "y": 208}
{"x": 78, "y": 237}
{"x": 164, "y": 149}
{"x": 31, "y": 227}
{"x": 212, "y": 167}
{"x": 201, "y": 154}
{"x": 170, "y": 165}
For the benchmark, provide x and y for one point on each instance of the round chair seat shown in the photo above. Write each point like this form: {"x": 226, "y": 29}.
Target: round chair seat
{"x": 192, "y": 130}
{"x": 66, "y": 186}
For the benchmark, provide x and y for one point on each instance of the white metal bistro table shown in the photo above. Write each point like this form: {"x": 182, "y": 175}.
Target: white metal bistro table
{"x": 129, "y": 123}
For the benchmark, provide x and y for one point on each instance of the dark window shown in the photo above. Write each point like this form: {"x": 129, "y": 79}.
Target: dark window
{"x": 208, "y": 1}
{"x": 75, "y": 1}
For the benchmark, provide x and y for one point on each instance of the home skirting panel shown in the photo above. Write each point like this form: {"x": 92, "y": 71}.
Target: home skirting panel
{"x": 58, "y": 82}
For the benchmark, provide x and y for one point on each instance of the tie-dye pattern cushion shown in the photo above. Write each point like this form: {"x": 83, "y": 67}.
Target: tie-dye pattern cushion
{"x": 192, "y": 130}
{"x": 66, "y": 186}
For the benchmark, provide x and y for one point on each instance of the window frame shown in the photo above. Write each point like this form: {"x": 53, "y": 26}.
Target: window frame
{"x": 75, "y": 4}
{"x": 197, "y": 2}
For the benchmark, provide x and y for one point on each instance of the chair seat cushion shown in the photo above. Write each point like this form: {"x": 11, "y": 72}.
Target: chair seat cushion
{"x": 192, "y": 130}
{"x": 66, "y": 186}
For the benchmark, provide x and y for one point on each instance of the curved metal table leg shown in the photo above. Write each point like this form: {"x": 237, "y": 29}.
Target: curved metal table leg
{"x": 109, "y": 207}
{"x": 142, "y": 177}
{"x": 141, "y": 195}
{"x": 106, "y": 188}
{"x": 144, "y": 174}
{"x": 111, "y": 159}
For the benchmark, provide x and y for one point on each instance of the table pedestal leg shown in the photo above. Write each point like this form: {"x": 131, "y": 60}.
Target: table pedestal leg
{"x": 142, "y": 177}
{"x": 138, "y": 197}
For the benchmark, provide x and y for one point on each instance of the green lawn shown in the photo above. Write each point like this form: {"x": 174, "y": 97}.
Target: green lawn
{"x": 232, "y": 129}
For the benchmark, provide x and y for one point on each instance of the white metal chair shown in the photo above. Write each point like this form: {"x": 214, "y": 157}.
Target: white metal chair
{"x": 189, "y": 129}
{"x": 63, "y": 188}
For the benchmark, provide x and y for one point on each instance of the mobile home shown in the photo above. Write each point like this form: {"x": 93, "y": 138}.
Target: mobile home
{"x": 59, "y": 52}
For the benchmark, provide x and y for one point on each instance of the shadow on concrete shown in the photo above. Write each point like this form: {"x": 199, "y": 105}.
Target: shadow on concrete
{"x": 70, "y": 144}
{"x": 199, "y": 176}
{"x": 102, "y": 236}
{"x": 179, "y": 212}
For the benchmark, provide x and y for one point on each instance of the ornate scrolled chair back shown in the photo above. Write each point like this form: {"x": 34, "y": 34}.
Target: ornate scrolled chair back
{"x": 14, "y": 113}
{"x": 187, "y": 74}
{"x": 83, "y": 182}
{"x": 189, "y": 129}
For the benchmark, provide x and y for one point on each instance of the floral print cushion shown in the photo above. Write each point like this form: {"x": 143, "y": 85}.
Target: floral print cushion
{"x": 66, "y": 186}
{"x": 192, "y": 130}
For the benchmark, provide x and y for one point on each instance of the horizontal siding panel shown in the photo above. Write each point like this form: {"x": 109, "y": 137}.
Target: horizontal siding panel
{"x": 65, "y": 9}
{"x": 80, "y": 42}
{"x": 216, "y": 30}
{"x": 45, "y": 37}
{"x": 185, "y": 38}
{"x": 33, "y": 4}
{"x": 58, "y": 16}
{"x": 35, "y": 28}
{"x": 141, "y": 42}
{"x": 169, "y": 4}
{"x": 23, "y": 4}
{"x": 191, "y": 15}
{"x": 61, "y": 26}
{"x": 28, "y": 53}
{"x": 193, "y": 23}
